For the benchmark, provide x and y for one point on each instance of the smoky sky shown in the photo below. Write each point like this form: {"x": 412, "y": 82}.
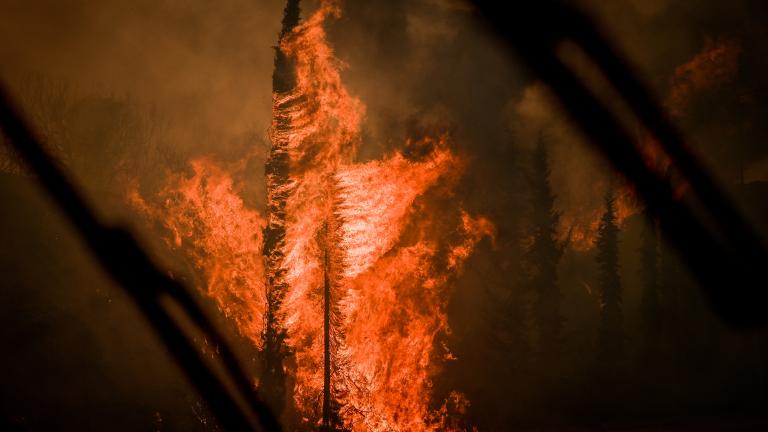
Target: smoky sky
{"x": 206, "y": 67}
{"x": 658, "y": 35}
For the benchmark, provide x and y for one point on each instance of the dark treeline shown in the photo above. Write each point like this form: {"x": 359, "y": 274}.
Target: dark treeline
{"x": 616, "y": 334}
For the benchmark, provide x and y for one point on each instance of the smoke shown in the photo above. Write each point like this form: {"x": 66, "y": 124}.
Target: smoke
{"x": 716, "y": 64}
{"x": 723, "y": 44}
{"x": 579, "y": 176}
{"x": 204, "y": 71}
{"x": 416, "y": 64}
{"x": 205, "y": 68}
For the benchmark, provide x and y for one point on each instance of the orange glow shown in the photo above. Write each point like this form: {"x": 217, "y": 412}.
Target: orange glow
{"x": 369, "y": 227}
{"x": 718, "y": 62}
{"x": 582, "y": 225}
{"x": 715, "y": 64}
{"x": 209, "y": 222}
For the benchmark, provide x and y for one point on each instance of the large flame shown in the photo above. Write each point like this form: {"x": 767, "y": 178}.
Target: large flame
{"x": 367, "y": 229}
{"x": 223, "y": 238}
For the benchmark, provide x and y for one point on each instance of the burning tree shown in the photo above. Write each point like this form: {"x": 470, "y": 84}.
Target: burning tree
{"x": 273, "y": 385}
{"x": 309, "y": 142}
{"x": 344, "y": 284}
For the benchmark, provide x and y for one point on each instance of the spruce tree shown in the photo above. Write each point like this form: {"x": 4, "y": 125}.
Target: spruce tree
{"x": 611, "y": 332}
{"x": 273, "y": 384}
{"x": 651, "y": 316}
{"x": 543, "y": 256}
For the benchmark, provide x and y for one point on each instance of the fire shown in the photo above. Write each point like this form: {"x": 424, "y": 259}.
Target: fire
{"x": 223, "y": 238}
{"x": 374, "y": 199}
{"x": 715, "y": 64}
{"x": 396, "y": 297}
{"x": 349, "y": 261}
{"x": 579, "y": 228}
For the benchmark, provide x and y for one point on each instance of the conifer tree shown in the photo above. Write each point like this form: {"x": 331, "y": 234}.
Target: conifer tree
{"x": 651, "y": 316}
{"x": 273, "y": 384}
{"x": 611, "y": 331}
{"x": 544, "y": 254}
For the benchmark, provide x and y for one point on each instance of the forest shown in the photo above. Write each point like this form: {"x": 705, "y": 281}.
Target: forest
{"x": 395, "y": 225}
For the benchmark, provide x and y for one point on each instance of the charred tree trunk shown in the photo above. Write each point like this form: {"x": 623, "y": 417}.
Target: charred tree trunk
{"x": 326, "y": 340}
{"x": 333, "y": 335}
{"x": 273, "y": 380}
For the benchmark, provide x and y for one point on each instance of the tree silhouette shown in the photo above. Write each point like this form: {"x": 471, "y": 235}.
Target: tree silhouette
{"x": 651, "y": 321}
{"x": 273, "y": 379}
{"x": 611, "y": 332}
{"x": 543, "y": 255}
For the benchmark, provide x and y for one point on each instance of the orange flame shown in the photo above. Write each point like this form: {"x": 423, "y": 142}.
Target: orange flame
{"x": 715, "y": 64}
{"x": 582, "y": 225}
{"x": 209, "y": 221}
{"x": 718, "y": 62}
{"x": 390, "y": 268}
